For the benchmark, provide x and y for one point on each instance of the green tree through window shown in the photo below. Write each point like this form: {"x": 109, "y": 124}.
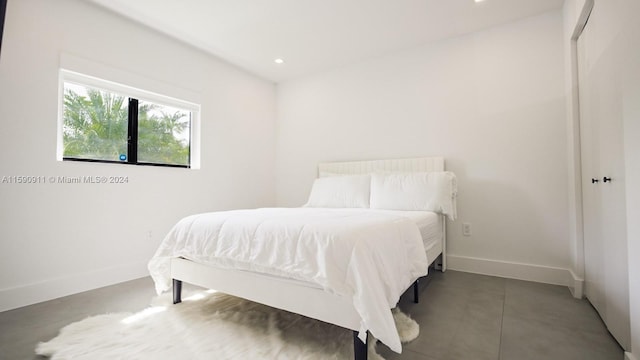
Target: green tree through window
{"x": 163, "y": 134}
{"x": 95, "y": 127}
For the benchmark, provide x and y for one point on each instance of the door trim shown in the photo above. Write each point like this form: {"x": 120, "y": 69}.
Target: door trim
{"x": 574, "y": 149}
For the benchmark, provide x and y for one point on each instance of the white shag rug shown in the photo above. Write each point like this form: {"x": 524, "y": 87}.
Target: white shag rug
{"x": 209, "y": 325}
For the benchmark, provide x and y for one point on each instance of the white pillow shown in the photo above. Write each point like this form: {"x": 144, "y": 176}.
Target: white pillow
{"x": 351, "y": 191}
{"x": 430, "y": 191}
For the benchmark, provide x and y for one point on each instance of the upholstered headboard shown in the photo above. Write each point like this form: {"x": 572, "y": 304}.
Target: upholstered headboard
{"x": 422, "y": 164}
{"x": 390, "y": 165}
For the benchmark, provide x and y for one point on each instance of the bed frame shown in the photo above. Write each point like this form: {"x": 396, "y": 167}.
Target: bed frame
{"x": 302, "y": 297}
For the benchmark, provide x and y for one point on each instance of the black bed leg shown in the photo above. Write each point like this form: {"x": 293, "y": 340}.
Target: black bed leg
{"x": 416, "y": 298}
{"x": 359, "y": 347}
{"x": 177, "y": 291}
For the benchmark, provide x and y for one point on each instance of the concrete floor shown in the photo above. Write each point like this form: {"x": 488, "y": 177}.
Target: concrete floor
{"x": 461, "y": 316}
{"x": 469, "y": 316}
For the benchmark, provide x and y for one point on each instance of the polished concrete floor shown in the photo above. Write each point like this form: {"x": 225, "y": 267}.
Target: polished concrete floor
{"x": 461, "y": 316}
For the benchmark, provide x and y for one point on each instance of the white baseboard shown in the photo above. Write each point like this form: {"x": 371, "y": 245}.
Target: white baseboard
{"x": 54, "y": 288}
{"x": 520, "y": 271}
{"x": 629, "y": 356}
{"x": 577, "y": 290}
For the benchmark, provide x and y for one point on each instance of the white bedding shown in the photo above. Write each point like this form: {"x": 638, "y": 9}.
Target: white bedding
{"x": 368, "y": 255}
{"x": 429, "y": 224}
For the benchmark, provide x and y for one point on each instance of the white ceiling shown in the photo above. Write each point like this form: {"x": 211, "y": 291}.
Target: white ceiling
{"x": 315, "y": 35}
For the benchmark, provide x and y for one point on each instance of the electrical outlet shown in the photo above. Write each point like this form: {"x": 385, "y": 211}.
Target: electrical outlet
{"x": 466, "y": 229}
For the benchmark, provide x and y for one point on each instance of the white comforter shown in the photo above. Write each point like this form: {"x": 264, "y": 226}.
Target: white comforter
{"x": 364, "y": 254}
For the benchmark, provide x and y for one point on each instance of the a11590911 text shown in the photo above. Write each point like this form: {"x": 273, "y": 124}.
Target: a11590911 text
{"x": 85, "y": 179}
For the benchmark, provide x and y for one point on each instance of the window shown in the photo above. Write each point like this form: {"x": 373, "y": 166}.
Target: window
{"x": 107, "y": 122}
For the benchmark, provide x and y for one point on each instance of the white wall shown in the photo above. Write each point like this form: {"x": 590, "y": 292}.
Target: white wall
{"x": 628, "y": 44}
{"x": 58, "y": 239}
{"x": 492, "y": 103}
{"x": 631, "y": 108}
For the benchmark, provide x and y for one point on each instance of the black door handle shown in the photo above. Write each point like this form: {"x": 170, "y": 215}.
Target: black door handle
{"x": 594, "y": 180}
{"x": 606, "y": 179}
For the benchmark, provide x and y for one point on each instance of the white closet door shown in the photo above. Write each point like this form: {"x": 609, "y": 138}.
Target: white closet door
{"x": 594, "y": 286}
{"x": 604, "y": 207}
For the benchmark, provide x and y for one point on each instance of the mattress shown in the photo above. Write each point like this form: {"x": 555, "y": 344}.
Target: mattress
{"x": 430, "y": 226}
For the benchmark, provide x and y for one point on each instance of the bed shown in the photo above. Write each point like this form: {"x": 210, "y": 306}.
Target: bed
{"x": 349, "y": 303}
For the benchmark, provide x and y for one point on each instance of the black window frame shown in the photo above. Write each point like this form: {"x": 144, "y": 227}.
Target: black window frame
{"x": 132, "y": 134}
{"x": 3, "y": 11}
